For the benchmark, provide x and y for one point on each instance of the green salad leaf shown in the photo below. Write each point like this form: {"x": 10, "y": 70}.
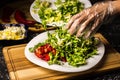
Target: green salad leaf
{"x": 76, "y": 50}
{"x": 63, "y": 12}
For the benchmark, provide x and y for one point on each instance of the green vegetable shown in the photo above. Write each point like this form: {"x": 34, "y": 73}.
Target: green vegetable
{"x": 76, "y": 50}
{"x": 32, "y": 49}
{"x": 63, "y": 12}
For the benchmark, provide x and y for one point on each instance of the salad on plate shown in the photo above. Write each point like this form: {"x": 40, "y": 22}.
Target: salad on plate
{"x": 60, "y": 47}
{"x": 55, "y": 12}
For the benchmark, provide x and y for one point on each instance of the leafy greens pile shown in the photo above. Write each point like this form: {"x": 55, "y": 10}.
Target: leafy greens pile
{"x": 63, "y": 12}
{"x": 76, "y": 50}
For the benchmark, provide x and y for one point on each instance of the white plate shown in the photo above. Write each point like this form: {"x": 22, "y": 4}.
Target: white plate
{"x": 35, "y": 16}
{"x": 91, "y": 62}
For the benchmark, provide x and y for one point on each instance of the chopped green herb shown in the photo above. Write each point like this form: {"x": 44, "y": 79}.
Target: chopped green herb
{"x": 76, "y": 50}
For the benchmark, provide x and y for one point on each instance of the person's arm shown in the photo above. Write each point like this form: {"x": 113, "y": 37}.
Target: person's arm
{"x": 116, "y": 6}
{"x": 89, "y": 20}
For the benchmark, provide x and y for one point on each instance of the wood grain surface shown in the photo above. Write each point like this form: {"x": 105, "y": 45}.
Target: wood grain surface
{"x": 21, "y": 69}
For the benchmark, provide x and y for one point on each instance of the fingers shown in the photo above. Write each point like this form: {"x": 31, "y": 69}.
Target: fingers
{"x": 84, "y": 26}
{"x": 90, "y": 18}
{"x": 93, "y": 29}
{"x": 75, "y": 25}
{"x": 72, "y": 20}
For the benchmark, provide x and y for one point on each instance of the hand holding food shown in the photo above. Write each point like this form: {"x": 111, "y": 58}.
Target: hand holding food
{"x": 89, "y": 20}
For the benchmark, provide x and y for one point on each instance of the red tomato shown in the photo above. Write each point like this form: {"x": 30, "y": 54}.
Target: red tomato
{"x": 46, "y": 57}
{"x": 43, "y": 52}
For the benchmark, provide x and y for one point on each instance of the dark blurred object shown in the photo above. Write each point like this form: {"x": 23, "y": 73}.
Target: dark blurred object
{"x": 3, "y": 2}
{"x": 111, "y": 32}
{"x": 94, "y": 1}
{"x": 20, "y": 17}
{"x": 6, "y": 13}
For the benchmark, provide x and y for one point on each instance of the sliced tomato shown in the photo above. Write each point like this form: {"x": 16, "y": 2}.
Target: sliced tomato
{"x": 39, "y": 55}
{"x": 43, "y": 52}
{"x": 46, "y": 57}
{"x": 54, "y": 51}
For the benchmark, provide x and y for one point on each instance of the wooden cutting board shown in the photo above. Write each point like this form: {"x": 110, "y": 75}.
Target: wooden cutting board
{"x": 21, "y": 69}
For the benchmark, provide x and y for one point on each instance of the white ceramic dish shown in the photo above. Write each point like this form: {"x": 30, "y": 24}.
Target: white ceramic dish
{"x": 35, "y": 16}
{"x": 91, "y": 62}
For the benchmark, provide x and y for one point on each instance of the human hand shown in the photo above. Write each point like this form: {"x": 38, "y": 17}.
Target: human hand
{"x": 89, "y": 20}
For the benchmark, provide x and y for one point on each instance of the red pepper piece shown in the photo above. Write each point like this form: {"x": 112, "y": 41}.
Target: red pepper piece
{"x": 43, "y": 52}
{"x": 46, "y": 57}
{"x": 63, "y": 59}
{"x": 6, "y": 13}
{"x": 39, "y": 55}
{"x": 48, "y": 47}
{"x": 54, "y": 51}
{"x": 21, "y": 18}
{"x": 38, "y": 50}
